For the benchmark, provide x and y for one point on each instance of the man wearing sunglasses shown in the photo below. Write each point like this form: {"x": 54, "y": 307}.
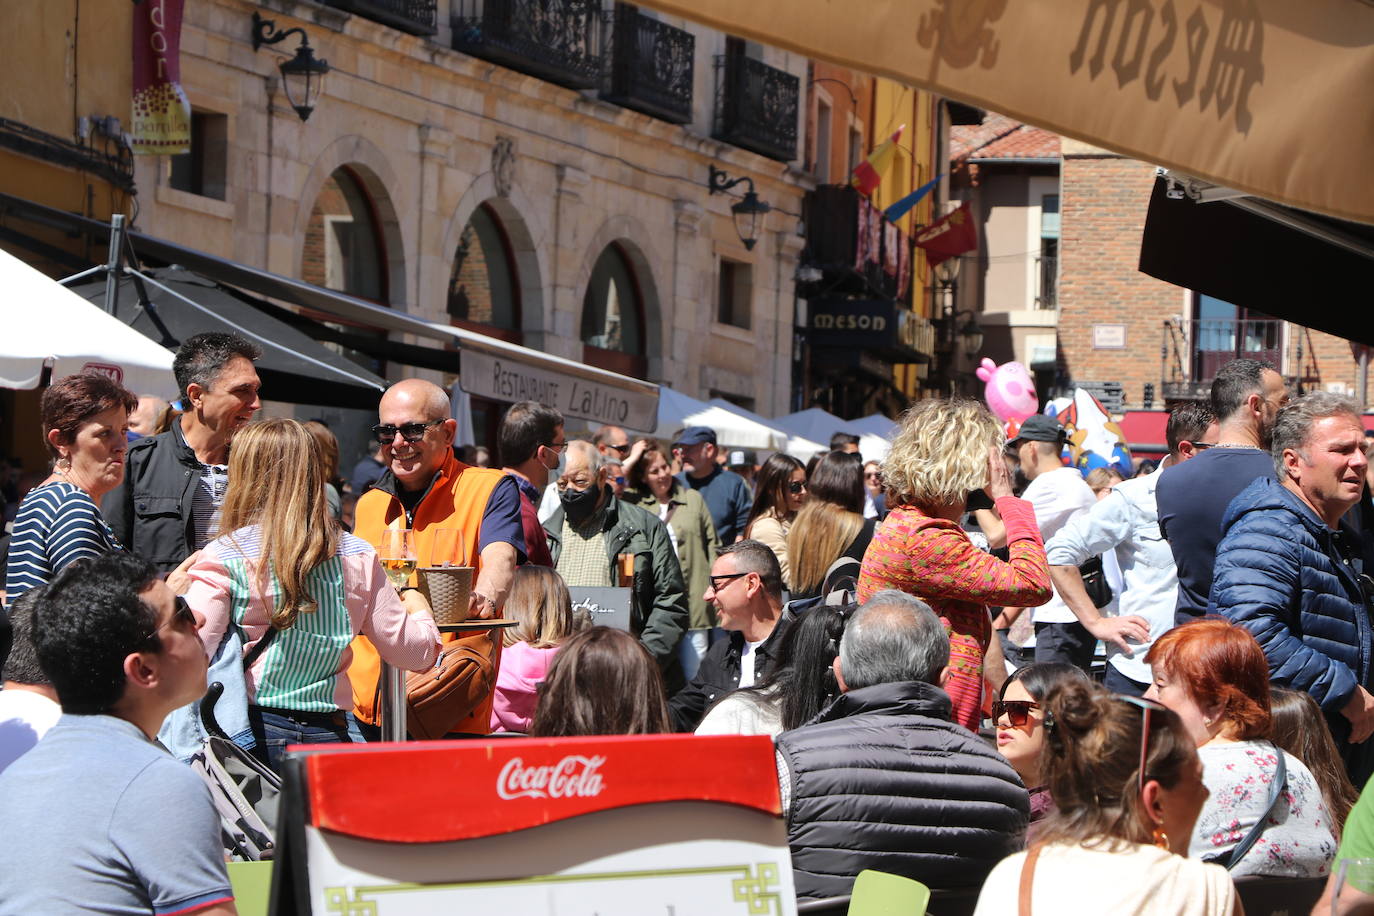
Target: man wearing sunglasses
{"x": 427, "y": 489}
{"x": 98, "y": 818}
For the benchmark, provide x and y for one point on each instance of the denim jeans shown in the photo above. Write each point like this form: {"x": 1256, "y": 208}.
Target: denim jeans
{"x": 1117, "y": 682}
{"x": 1070, "y": 643}
{"x": 274, "y": 729}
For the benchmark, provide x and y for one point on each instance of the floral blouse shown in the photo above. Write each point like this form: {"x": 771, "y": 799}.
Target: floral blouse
{"x": 1298, "y": 842}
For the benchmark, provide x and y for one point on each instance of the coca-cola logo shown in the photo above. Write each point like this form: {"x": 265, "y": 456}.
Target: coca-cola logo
{"x": 574, "y": 775}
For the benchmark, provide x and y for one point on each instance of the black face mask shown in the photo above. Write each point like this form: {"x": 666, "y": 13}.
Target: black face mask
{"x": 579, "y": 504}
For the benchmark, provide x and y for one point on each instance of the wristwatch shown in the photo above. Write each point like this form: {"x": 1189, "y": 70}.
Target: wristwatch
{"x": 488, "y": 601}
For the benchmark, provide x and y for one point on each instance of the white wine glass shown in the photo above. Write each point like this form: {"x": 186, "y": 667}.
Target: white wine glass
{"x": 397, "y": 553}
{"x": 1358, "y": 875}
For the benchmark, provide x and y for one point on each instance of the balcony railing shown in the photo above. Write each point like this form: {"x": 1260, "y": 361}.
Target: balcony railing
{"x": 855, "y": 248}
{"x": 756, "y": 107}
{"x": 418, "y": 17}
{"x": 1194, "y": 350}
{"x": 651, "y": 66}
{"x": 556, "y": 40}
{"x": 1048, "y": 269}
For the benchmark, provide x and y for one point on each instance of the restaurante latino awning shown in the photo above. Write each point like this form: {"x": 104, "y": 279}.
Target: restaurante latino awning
{"x": 486, "y": 366}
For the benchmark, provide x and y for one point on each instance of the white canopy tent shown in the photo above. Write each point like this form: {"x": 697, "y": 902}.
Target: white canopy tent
{"x": 47, "y": 324}
{"x": 875, "y": 424}
{"x": 733, "y": 430}
{"x": 798, "y": 447}
{"x": 819, "y": 425}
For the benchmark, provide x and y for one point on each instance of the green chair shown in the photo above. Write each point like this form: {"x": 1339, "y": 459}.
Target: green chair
{"x": 252, "y": 885}
{"x": 877, "y": 893}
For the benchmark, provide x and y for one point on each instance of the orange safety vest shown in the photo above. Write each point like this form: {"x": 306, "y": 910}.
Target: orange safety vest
{"x": 456, "y": 499}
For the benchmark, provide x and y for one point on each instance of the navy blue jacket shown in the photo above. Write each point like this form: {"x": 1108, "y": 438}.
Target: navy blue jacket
{"x": 1293, "y": 583}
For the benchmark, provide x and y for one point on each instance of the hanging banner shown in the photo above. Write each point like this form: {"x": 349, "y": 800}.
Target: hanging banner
{"x": 162, "y": 113}
{"x": 597, "y": 398}
{"x": 949, "y": 236}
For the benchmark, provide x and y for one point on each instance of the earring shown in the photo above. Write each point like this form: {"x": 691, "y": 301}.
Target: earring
{"x": 1160, "y": 838}
{"x": 64, "y": 464}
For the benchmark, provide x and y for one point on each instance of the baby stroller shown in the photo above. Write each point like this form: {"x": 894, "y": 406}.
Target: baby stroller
{"x": 245, "y": 791}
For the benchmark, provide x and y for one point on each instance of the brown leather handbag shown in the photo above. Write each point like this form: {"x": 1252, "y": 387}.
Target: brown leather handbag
{"x": 461, "y": 679}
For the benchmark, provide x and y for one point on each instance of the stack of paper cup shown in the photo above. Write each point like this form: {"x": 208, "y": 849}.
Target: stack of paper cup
{"x": 447, "y": 588}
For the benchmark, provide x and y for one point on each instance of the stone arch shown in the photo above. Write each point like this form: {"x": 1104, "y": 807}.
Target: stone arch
{"x": 633, "y": 240}
{"x": 370, "y": 166}
{"x": 526, "y": 245}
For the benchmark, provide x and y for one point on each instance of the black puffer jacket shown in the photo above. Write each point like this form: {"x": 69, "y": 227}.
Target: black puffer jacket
{"x": 882, "y": 779}
{"x": 150, "y": 512}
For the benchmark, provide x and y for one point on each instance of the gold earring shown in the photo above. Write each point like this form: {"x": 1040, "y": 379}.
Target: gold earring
{"x": 1161, "y": 839}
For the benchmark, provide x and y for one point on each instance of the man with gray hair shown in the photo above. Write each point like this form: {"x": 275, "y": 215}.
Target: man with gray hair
{"x": 882, "y": 778}
{"x": 1291, "y": 572}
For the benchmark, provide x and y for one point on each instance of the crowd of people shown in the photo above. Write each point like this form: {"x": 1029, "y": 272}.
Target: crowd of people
{"x": 979, "y": 668}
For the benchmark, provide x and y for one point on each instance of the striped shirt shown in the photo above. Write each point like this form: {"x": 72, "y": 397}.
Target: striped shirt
{"x": 206, "y": 501}
{"x": 303, "y": 666}
{"x": 57, "y": 524}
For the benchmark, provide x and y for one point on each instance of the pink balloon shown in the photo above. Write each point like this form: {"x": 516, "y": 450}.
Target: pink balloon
{"x": 1010, "y": 391}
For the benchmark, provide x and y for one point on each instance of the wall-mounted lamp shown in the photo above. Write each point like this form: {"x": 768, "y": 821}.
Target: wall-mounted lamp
{"x": 749, "y": 211}
{"x": 302, "y": 75}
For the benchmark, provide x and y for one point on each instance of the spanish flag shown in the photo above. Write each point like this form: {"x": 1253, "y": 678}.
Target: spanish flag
{"x": 869, "y": 173}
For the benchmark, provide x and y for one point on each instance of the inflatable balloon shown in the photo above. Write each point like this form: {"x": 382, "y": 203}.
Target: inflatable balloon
{"x": 1095, "y": 440}
{"x": 1010, "y": 393}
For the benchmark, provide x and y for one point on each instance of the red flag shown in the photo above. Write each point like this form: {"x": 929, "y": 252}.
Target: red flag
{"x": 950, "y": 235}
{"x": 868, "y": 174}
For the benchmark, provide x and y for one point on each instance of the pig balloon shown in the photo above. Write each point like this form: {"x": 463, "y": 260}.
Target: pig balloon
{"x": 1010, "y": 393}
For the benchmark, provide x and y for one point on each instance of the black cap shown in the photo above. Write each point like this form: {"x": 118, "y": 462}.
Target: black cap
{"x": 694, "y": 435}
{"x": 1040, "y": 428}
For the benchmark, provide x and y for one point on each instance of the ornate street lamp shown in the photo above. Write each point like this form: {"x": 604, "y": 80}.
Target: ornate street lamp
{"x": 748, "y": 211}
{"x": 302, "y": 75}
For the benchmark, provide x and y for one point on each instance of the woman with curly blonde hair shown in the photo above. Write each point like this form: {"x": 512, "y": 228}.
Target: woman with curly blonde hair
{"x": 945, "y": 450}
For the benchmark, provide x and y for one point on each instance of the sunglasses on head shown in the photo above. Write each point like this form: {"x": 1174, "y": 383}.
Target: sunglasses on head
{"x": 411, "y": 432}
{"x": 796, "y": 487}
{"x": 1016, "y": 711}
{"x": 1147, "y": 709}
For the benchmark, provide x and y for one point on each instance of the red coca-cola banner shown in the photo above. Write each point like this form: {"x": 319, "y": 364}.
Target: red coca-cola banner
{"x": 162, "y": 113}
{"x": 443, "y": 791}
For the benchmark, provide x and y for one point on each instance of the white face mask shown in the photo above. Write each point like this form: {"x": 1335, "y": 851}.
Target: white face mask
{"x": 557, "y": 470}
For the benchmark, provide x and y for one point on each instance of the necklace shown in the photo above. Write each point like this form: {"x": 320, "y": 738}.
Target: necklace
{"x": 1237, "y": 445}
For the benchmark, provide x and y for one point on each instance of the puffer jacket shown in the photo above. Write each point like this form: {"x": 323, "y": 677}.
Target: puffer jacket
{"x": 883, "y": 779}
{"x": 150, "y": 512}
{"x": 1282, "y": 574}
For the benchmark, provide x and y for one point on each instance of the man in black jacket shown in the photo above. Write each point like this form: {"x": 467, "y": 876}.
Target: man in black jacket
{"x": 883, "y": 779}
{"x": 746, "y": 590}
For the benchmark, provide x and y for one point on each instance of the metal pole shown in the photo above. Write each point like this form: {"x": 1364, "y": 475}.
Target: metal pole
{"x": 112, "y": 264}
{"x": 1361, "y": 388}
{"x": 393, "y": 703}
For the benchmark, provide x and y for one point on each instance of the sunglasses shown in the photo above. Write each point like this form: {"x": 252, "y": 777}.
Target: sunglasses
{"x": 1201, "y": 446}
{"x": 1016, "y": 711}
{"x": 1147, "y": 709}
{"x": 622, "y": 449}
{"x": 181, "y": 613}
{"x": 717, "y": 586}
{"x": 796, "y": 487}
{"x": 411, "y": 432}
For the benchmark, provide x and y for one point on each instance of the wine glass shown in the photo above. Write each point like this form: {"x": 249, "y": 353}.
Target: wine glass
{"x": 397, "y": 553}
{"x": 1358, "y": 874}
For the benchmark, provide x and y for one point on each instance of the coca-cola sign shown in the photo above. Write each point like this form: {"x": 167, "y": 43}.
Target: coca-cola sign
{"x": 573, "y": 776}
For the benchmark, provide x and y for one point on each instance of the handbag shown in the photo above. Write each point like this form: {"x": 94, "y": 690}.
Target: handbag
{"x": 1231, "y": 859}
{"x": 1095, "y": 582}
{"x": 461, "y": 679}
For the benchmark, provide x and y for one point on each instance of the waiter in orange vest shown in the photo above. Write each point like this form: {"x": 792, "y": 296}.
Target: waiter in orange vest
{"x": 427, "y": 489}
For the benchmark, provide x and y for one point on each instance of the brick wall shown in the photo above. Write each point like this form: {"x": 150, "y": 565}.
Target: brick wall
{"x": 1102, "y": 206}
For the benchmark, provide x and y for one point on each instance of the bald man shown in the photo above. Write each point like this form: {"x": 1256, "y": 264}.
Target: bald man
{"x": 427, "y": 489}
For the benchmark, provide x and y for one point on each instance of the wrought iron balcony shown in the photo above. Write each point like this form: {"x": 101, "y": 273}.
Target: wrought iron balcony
{"x": 756, "y": 107}
{"x": 1194, "y": 350}
{"x": 556, "y": 40}
{"x": 651, "y": 65}
{"x": 1047, "y": 269}
{"x": 418, "y": 17}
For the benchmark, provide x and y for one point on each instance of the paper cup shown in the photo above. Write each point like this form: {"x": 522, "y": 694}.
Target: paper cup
{"x": 447, "y": 588}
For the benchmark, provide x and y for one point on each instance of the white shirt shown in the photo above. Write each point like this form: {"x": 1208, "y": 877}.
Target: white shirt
{"x": 25, "y": 717}
{"x": 746, "y": 663}
{"x": 1057, "y": 496}
{"x": 1126, "y": 522}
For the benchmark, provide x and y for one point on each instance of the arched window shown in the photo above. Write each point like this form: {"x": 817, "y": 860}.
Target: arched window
{"x": 612, "y": 310}
{"x": 343, "y": 241}
{"x": 483, "y": 288}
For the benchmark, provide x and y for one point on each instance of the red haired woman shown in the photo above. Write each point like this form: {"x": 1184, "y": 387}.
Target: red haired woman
{"x": 1214, "y": 676}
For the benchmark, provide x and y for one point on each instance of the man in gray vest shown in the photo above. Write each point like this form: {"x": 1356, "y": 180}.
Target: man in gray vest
{"x": 883, "y": 779}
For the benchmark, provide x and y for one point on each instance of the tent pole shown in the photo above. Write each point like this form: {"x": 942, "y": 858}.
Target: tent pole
{"x": 112, "y": 265}
{"x": 1362, "y": 386}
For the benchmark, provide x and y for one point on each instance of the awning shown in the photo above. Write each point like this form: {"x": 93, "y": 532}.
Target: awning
{"x": 293, "y": 367}
{"x": 733, "y": 430}
{"x": 1309, "y": 269}
{"x": 798, "y": 447}
{"x": 489, "y": 367}
{"x": 1267, "y": 96}
{"x": 48, "y": 326}
{"x": 819, "y": 425}
{"x": 1144, "y": 430}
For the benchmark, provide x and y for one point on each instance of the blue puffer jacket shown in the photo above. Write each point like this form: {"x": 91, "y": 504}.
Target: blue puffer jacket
{"x": 1280, "y": 574}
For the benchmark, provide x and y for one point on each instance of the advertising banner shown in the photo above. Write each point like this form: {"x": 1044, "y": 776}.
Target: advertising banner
{"x": 162, "y": 113}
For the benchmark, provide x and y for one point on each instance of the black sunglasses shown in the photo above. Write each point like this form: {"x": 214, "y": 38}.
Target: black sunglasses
{"x": 1200, "y": 446}
{"x": 411, "y": 432}
{"x": 181, "y": 613}
{"x": 1016, "y": 711}
{"x": 795, "y": 487}
{"x": 622, "y": 449}
{"x": 717, "y": 586}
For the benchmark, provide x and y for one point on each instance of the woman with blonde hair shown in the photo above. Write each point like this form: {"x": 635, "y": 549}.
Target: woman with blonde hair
{"x": 540, "y": 601}
{"x": 945, "y": 450}
{"x": 284, "y": 577}
{"x": 830, "y": 525}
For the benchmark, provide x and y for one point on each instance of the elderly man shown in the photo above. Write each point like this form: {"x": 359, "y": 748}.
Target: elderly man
{"x": 923, "y": 798}
{"x": 168, "y": 506}
{"x": 427, "y": 489}
{"x": 746, "y": 591}
{"x": 725, "y": 492}
{"x": 1289, "y": 572}
{"x": 1192, "y": 498}
{"x": 589, "y": 532}
{"x": 1126, "y": 521}
{"x": 98, "y": 818}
